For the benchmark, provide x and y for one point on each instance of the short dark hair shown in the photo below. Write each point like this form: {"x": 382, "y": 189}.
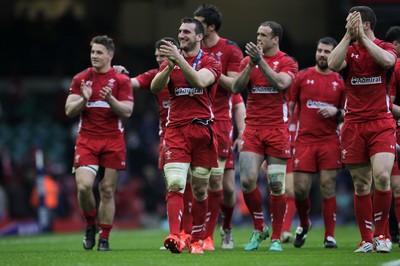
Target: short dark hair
{"x": 328, "y": 40}
{"x": 367, "y": 14}
{"x": 393, "y": 34}
{"x": 211, "y": 15}
{"x": 167, "y": 39}
{"x": 104, "y": 40}
{"x": 275, "y": 27}
{"x": 199, "y": 29}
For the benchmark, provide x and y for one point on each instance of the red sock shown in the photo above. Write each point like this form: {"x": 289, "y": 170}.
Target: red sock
{"x": 289, "y": 214}
{"x": 214, "y": 207}
{"x": 381, "y": 203}
{"x": 329, "y": 213}
{"x": 397, "y": 211}
{"x": 105, "y": 230}
{"x": 254, "y": 204}
{"x": 187, "y": 219}
{"x": 303, "y": 210}
{"x": 199, "y": 219}
{"x": 174, "y": 211}
{"x": 227, "y": 214}
{"x": 277, "y": 206}
{"x": 363, "y": 212}
{"x": 90, "y": 217}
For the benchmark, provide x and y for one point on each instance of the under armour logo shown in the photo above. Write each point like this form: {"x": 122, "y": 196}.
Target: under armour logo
{"x": 310, "y": 81}
{"x": 354, "y": 55}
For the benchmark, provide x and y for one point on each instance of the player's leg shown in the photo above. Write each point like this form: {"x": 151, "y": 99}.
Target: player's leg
{"x": 227, "y": 208}
{"x": 286, "y": 236}
{"x": 395, "y": 184}
{"x": 276, "y": 183}
{"x": 303, "y": 181}
{"x": 250, "y": 163}
{"x": 382, "y": 164}
{"x": 327, "y": 187}
{"x": 85, "y": 177}
{"x": 215, "y": 198}
{"x": 107, "y": 187}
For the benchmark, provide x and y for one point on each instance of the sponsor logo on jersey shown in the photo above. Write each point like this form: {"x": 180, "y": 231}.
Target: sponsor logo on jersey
{"x": 264, "y": 90}
{"x": 366, "y": 80}
{"x": 187, "y": 91}
{"x": 317, "y": 104}
{"x": 101, "y": 104}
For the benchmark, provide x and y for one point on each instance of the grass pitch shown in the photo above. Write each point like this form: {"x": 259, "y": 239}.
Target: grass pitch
{"x": 141, "y": 247}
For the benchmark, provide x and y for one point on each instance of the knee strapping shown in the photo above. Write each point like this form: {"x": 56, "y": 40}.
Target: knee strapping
{"x": 201, "y": 172}
{"x": 176, "y": 175}
{"x": 92, "y": 168}
{"x": 276, "y": 177}
{"x": 219, "y": 171}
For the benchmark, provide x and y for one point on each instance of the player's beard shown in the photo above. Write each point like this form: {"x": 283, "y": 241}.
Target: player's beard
{"x": 322, "y": 63}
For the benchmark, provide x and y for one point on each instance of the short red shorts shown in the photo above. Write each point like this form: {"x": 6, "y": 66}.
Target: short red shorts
{"x": 105, "y": 152}
{"x": 191, "y": 144}
{"x": 360, "y": 141}
{"x": 271, "y": 141}
{"x": 223, "y": 130}
{"x": 316, "y": 157}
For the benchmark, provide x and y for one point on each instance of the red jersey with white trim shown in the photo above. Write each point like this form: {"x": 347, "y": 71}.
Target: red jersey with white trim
{"x": 97, "y": 119}
{"x": 266, "y": 105}
{"x": 187, "y": 102}
{"x": 312, "y": 90}
{"x": 162, "y": 97}
{"x": 230, "y": 55}
{"x": 366, "y": 84}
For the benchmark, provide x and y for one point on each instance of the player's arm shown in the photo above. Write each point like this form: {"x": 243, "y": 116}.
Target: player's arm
{"x": 161, "y": 80}
{"x": 279, "y": 81}
{"x": 198, "y": 79}
{"x": 337, "y": 58}
{"x": 121, "y": 108}
{"x": 240, "y": 82}
{"x": 382, "y": 57}
{"x": 75, "y": 102}
{"x": 226, "y": 81}
{"x": 239, "y": 114}
{"x": 291, "y": 110}
{"x": 135, "y": 83}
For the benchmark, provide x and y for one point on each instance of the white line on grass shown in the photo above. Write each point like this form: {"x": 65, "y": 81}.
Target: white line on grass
{"x": 392, "y": 263}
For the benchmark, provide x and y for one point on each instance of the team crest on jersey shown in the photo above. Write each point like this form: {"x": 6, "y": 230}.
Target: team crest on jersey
{"x": 344, "y": 154}
{"x": 296, "y": 163}
{"x": 218, "y": 55}
{"x": 168, "y": 155}
{"x": 276, "y": 64}
{"x": 111, "y": 83}
{"x": 353, "y": 55}
{"x": 88, "y": 83}
{"x": 334, "y": 85}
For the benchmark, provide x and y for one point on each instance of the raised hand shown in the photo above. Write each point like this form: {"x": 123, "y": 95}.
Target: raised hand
{"x": 86, "y": 90}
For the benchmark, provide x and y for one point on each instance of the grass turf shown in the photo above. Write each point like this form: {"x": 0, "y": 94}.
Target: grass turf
{"x": 141, "y": 247}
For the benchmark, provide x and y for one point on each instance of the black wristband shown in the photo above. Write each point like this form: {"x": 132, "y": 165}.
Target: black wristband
{"x": 338, "y": 112}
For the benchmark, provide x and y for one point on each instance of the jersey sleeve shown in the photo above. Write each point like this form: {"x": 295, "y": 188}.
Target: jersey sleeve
{"x": 291, "y": 67}
{"x": 236, "y": 99}
{"x": 235, "y": 58}
{"x": 145, "y": 79}
{"x": 126, "y": 88}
